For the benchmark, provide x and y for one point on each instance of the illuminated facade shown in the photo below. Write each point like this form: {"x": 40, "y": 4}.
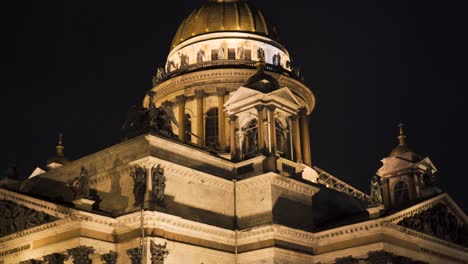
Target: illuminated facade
{"x": 216, "y": 167}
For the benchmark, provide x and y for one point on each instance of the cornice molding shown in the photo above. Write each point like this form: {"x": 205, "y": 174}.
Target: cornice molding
{"x": 276, "y": 179}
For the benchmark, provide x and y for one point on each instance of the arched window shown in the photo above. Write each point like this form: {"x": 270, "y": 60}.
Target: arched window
{"x": 211, "y": 128}
{"x": 188, "y": 128}
{"x": 250, "y": 145}
{"x": 401, "y": 193}
{"x": 281, "y": 139}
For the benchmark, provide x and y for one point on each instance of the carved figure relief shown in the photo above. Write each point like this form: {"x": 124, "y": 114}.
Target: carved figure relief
{"x": 80, "y": 184}
{"x": 157, "y": 120}
{"x": 159, "y": 76}
{"x": 158, "y": 253}
{"x": 139, "y": 184}
{"x": 261, "y": 54}
{"x": 15, "y": 218}
{"x": 184, "y": 60}
{"x": 158, "y": 183}
{"x": 200, "y": 56}
{"x": 81, "y": 254}
{"x": 277, "y": 59}
{"x": 221, "y": 55}
{"x": 241, "y": 52}
{"x": 439, "y": 222}
{"x": 376, "y": 191}
{"x": 135, "y": 255}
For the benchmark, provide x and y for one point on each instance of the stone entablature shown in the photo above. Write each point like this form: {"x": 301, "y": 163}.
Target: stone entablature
{"x": 230, "y": 79}
{"x": 276, "y": 179}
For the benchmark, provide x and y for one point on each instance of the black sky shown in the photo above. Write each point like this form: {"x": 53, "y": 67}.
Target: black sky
{"x": 76, "y": 67}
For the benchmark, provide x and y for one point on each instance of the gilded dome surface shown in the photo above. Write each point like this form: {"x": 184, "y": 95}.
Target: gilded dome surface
{"x": 225, "y": 16}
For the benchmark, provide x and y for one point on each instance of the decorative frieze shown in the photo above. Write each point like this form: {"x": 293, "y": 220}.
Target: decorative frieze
{"x": 81, "y": 254}
{"x": 15, "y": 218}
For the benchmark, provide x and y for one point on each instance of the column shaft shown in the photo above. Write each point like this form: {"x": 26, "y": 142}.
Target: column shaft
{"x": 233, "y": 145}
{"x": 221, "y": 120}
{"x": 199, "y": 95}
{"x": 181, "y": 117}
{"x": 261, "y": 140}
{"x": 296, "y": 139}
{"x": 271, "y": 117}
{"x": 304, "y": 118}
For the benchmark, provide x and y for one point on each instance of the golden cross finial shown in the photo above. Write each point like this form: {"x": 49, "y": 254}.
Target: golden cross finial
{"x": 402, "y": 136}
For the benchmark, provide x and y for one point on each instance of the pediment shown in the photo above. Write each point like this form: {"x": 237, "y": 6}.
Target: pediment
{"x": 285, "y": 94}
{"x": 15, "y": 218}
{"x": 241, "y": 94}
{"x": 439, "y": 217}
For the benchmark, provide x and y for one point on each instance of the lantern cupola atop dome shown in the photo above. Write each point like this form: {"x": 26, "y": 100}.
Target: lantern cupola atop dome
{"x": 228, "y": 31}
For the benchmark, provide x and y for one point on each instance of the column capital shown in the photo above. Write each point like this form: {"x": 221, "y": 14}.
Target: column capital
{"x": 181, "y": 99}
{"x": 271, "y": 107}
{"x": 56, "y": 258}
{"x": 293, "y": 118}
{"x": 109, "y": 258}
{"x": 302, "y": 111}
{"x": 199, "y": 94}
{"x": 259, "y": 107}
{"x": 81, "y": 254}
{"x": 221, "y": 91}
{"x": 167, "y": 104}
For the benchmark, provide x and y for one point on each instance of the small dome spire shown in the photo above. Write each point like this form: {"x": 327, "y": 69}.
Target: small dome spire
{"x": 60, "y": 146}
{"x": 59, "y": 155}
{"x": 402, "y": 146}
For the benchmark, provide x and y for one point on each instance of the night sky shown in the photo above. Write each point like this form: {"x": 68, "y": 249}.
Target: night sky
{"x": 76, "y": 67}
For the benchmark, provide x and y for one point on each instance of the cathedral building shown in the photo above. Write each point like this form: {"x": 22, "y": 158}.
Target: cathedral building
{"x": 216, "y": 167}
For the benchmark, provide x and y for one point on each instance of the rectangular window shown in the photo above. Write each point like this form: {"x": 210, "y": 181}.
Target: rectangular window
{"x": 231, "y": 54}
{"x": 214, "y": 54}
{"x": 248, "y": 54}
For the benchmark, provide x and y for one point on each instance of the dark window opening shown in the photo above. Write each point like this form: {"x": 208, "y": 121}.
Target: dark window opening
{"x": 211, "y": 128}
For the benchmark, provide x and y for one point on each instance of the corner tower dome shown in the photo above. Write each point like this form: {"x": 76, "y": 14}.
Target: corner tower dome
{"x": 225, "y": 16}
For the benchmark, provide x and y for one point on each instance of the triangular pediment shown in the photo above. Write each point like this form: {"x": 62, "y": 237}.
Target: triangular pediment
{"x": 241, "y": 94}
{"x": 285, "y": 94}
{"x": 15, "y": 218}
{"x": 439, "y": 217}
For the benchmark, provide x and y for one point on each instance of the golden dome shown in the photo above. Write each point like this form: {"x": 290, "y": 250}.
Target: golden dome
{"x": 225, "y": 16}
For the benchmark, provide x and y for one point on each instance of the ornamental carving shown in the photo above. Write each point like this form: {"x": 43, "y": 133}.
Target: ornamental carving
{"x": 376, "y": 191}
{"x": 109, "y": 258}
{"x": 15, "y": 218}
{"x": 158, "y": 181}
{"x": 32, "y": 261}
{"x": 439, "y": 222}
{"x": 81, "y": 254}
{"x": 55, "y": 258}
{"x": 158, "y": 253}
{"x": 139, "y": 184}
{"x": 135, "y": 255}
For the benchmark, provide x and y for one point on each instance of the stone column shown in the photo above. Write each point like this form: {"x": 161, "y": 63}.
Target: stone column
{"x": 221, "y": 92}
{"x": 81, "y": 254}
{"x": 296, "y": 139}
{"x": 55, "y": 258}
{"x": 199, "y": 95}
{"x": 271, "y": 117}
{"x": 304, "y": 119}
{"x": 233, "y": 145}
{"x": 181, "y": 117}
{"x": 261, "y": 140}
{"x": 109, "y": 258}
